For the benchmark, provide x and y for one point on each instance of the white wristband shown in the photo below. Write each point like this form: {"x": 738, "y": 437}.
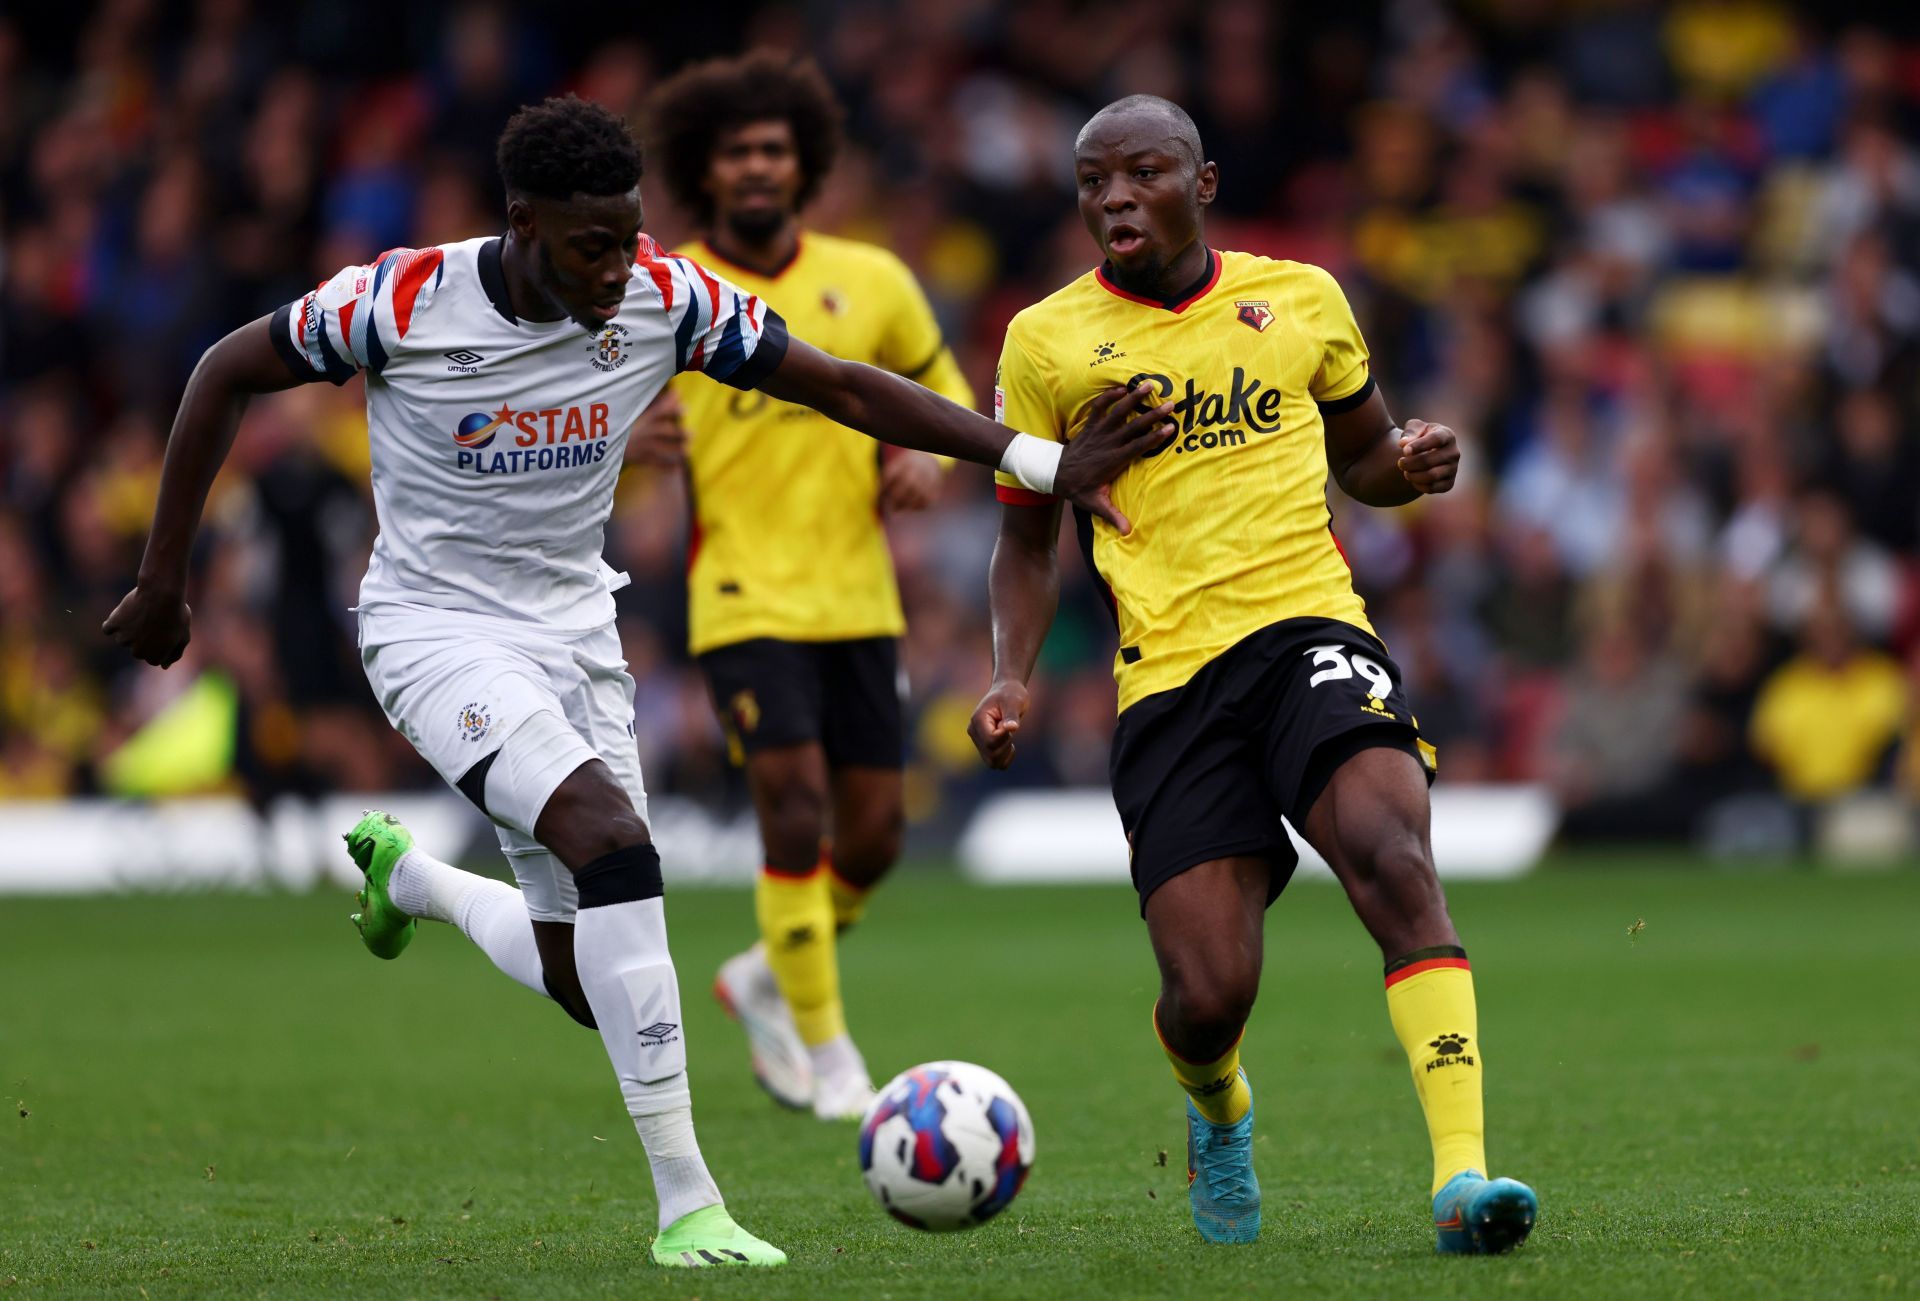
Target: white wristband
{"x": 1033, "y": 461}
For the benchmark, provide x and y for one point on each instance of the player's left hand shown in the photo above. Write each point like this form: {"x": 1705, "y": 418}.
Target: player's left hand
{"x": 910, "y": 481}
{"x": 1429, "y": 456}
{"x": 1121, "y": 428}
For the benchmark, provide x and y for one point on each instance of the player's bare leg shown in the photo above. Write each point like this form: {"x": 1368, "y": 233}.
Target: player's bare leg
{"x": 869, "y": 821}
{"x": 626, "y": 972}
{"x": 793, "y": 902}
{"x": 1206, "y": 927}
{"x": 554, "y": 941}
{"x": 1371, "y": 825}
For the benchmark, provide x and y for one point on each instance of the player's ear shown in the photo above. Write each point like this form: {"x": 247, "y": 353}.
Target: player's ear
{"x": 1209, "y": 183}
{"x": 520, "y": 217}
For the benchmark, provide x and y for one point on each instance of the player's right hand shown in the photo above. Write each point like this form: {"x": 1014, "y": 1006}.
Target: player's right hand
{"x": 995, "y": 721}
{"x": 1118, "y": 432}
{"x": 154, "y": 625}
{"x": 658, "y": 437}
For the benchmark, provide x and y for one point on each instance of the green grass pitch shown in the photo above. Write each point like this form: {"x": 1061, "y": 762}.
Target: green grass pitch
{"x": 225, "y": 1095}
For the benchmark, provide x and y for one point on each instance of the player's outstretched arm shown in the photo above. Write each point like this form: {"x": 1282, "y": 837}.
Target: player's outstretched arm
{"x": 882, "y": 405}
{"x": 1377, "y": 464}
{"x": 1023, "y": 591}
{"x": 153, "y": 620}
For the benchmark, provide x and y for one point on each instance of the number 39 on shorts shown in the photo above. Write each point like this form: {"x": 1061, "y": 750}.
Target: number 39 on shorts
{"x": 1337, "y": 663}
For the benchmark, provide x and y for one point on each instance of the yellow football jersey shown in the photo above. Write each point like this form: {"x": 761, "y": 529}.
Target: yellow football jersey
{"x": 788, "y": 541}
{"x": 1230, "y": 525}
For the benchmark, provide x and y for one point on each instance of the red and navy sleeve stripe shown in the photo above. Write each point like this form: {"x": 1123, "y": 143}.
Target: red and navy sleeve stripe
{"x": 718, "y": 330}
{"x": 361, "y": 331}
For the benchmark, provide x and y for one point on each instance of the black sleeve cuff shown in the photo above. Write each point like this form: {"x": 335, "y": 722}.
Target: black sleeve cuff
{"x": 1350, "y": 401}
{"x": 280, "y": 329}
{"x": 915, "y": 372}
{"x": 337, "y": 372}
{"x": 767, "y": 354}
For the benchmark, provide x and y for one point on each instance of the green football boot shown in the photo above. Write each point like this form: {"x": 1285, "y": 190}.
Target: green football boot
{"x": 376, "y": 843}
{"x": 709, "y": 1237}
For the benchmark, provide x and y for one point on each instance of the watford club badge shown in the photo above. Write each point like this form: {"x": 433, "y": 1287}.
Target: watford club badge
{"x": 1256, "y": 314}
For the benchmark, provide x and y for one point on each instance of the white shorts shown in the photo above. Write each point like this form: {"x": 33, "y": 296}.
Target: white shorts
{"x": 465, "y": 691}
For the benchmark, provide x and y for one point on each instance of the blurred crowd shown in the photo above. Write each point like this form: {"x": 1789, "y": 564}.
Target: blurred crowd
{"x": 1658, "y": 263}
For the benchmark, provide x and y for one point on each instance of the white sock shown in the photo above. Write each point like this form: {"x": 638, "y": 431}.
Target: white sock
{"x": 489, "y": 912}
{"x": 836, "y": 1057}
{"x": 423, "y": 886}
{"x": 620, "y": 950}
{"x": 493, "y": 916}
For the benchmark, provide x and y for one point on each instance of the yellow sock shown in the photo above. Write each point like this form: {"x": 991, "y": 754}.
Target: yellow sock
{"x": 1430, "y": 998}
{"x": 796, "y": 921}
{"x": 1218, "y": 1090}
{"x": 849, "y": 900}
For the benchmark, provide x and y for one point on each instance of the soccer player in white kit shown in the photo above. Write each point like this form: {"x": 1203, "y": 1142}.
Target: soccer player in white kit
{"x": 502, "y": 377}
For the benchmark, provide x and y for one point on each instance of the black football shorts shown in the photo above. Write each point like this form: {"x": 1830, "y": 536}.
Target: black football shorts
{"x": 845, "y": 695}
{"x": 1208, "y": 769}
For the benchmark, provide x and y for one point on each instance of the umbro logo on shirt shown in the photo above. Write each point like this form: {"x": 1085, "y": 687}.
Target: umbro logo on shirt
{"x": 465, "y": 361}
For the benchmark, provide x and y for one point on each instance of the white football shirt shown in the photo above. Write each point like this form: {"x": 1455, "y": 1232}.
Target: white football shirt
{"x": 496, "y": 442}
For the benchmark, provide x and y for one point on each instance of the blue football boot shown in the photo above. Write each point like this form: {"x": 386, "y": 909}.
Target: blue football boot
{"x": 1220, "y": 1182}
{"x": 1477, "y": 1216}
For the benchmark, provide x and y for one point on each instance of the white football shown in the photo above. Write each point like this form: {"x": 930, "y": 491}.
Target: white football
{"x": 945, "y": 1145}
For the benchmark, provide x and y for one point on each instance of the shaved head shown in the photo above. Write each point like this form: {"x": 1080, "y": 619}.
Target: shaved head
{"x": 1143, "y": 185}
{"x": 1141, "y": 110}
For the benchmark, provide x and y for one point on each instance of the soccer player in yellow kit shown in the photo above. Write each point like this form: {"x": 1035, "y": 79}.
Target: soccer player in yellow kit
{"x": 794, "y": 612}
{"x": 1251, "y": 685}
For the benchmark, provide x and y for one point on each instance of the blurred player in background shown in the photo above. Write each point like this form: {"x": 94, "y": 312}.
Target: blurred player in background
{"x": 502, "y": 377}
{"x": 794, "y": 612}
{"x": 1251, "y": 684}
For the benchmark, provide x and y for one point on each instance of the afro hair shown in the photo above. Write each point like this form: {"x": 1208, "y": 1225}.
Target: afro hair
{"x": 689, "y": 112}
{"x": 564, "y": 147}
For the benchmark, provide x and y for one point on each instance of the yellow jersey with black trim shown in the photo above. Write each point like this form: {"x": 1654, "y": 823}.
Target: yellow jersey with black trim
{"x": 787, "y": 536}
{"x": 1230, "y": 525}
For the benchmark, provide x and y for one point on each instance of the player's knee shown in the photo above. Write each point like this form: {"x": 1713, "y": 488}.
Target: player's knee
{"x": 588, "y": 817}
{"x": 793, "y": 814}
{"x": 1209, "y": 1009}
{"x": 863, "y": 852}
{"x": 607, "y": 832}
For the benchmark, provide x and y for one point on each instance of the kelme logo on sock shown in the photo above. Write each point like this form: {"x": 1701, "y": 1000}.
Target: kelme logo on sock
{"x": 1212, "y": 1087}
{"x": 1451, "y": 1048}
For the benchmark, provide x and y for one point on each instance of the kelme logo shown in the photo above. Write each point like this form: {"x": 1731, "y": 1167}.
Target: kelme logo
{"x": 1450, "y": 1050}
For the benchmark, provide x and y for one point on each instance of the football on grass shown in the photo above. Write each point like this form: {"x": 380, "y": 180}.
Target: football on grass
{"x": 945, "y": 1145}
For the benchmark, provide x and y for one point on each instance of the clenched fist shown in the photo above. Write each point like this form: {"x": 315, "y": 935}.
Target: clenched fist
{"x": 1429, "y": 456}
{"x": 153, "y": 624}
{"x": 995, "y": 721}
